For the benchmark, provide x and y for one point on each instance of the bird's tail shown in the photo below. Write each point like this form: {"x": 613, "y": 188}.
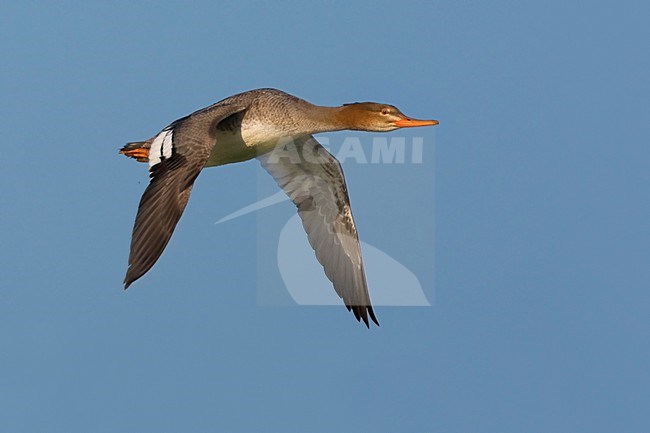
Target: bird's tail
{"x": 138, "y": 150}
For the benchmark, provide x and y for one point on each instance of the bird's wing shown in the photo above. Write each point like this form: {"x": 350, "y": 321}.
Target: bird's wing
{"x": 313, "y": 180}
{"x": 176, "y": 156}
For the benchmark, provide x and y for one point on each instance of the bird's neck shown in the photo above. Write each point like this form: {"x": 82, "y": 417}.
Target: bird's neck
{"x": 316, "y": 118}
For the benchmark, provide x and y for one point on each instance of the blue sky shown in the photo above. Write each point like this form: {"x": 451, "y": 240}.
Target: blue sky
{"x": 538, "y": 194}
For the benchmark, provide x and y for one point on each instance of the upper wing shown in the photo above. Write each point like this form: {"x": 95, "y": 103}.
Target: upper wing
{"x": 176, "y": 157}
{"x": 314, "y": 181}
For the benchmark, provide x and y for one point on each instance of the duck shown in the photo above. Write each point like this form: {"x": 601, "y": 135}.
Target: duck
{"x": 277, "y": 129}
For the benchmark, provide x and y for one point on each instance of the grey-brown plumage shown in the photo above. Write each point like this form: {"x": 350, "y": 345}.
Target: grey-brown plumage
{"x": 171, "y": 180}
{"x": 276, "y": 128}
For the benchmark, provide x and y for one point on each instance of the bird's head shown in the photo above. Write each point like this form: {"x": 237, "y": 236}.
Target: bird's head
{"x": 374, "y": 117}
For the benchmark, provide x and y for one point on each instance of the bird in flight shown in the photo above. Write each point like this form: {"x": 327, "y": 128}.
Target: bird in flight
{"x": 276, "y": 128}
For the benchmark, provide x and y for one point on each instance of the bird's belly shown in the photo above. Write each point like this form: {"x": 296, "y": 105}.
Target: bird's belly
{"x": 244, "y": 144}
{"x": 229, "y": 148}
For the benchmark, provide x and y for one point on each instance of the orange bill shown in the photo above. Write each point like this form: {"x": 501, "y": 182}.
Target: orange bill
{"x": 409, "y": 123}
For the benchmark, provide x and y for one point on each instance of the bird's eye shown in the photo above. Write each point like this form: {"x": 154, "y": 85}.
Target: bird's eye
{"x": 385, "y": 111}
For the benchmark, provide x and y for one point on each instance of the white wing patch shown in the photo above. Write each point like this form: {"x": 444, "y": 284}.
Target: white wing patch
{"x": 161, "y": 146}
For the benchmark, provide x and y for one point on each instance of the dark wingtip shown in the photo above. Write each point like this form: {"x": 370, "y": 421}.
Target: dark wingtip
{"x": 128, "y": 278}
{"x": 361, "y": 313}
{"x": 372, "y": 315}
{"x": 364, "y": 316}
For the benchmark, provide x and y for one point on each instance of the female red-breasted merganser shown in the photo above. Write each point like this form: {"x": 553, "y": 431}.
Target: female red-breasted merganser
{"x": 276, "y": 128}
